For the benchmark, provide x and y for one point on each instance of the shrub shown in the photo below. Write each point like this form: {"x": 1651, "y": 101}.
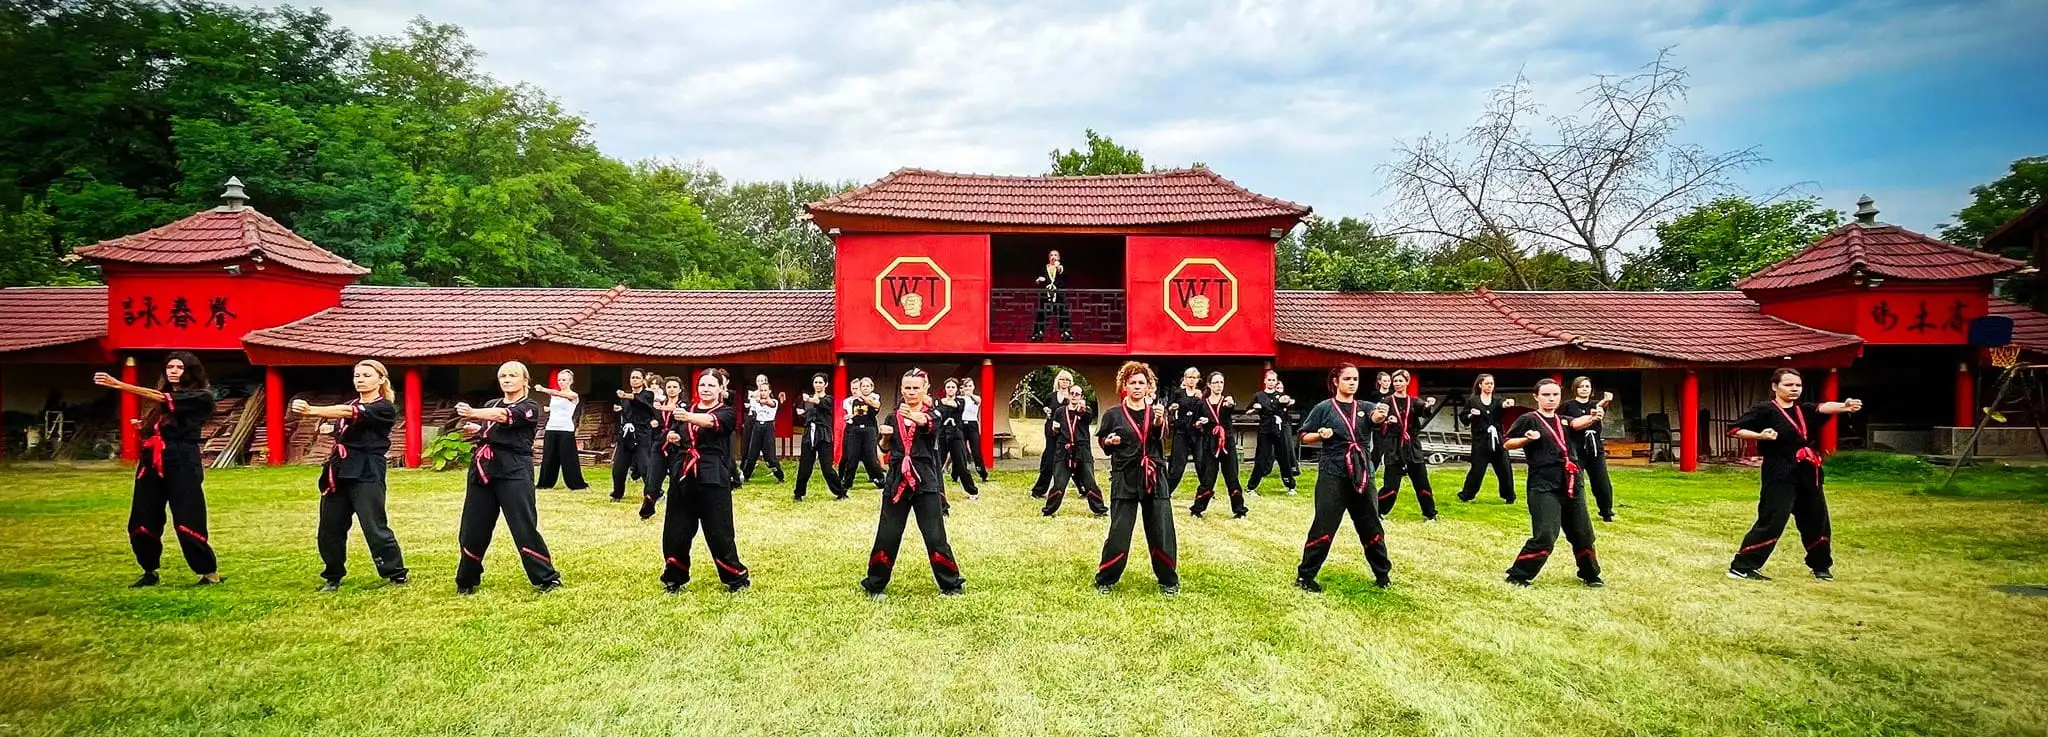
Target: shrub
{"x": 1870, "y": 465}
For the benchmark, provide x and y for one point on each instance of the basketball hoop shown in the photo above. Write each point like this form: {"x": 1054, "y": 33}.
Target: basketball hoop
{"x": 2005, "y": 356}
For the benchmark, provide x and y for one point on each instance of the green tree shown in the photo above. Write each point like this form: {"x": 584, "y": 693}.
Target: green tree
{"x": 1103, "y": 156}
{"x": 1725, "y": 241}
{"x": 1997, "y": 203}
{"x": 1351, "y": 255}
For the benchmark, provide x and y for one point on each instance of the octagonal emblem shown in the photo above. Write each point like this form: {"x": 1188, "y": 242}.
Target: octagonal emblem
{"x": 913, "y": 293}
{"x": 1201, "y": 295}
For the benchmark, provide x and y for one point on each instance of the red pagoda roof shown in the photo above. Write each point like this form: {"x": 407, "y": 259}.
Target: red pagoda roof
{"x": 1421, "y": 327}
{"x": 40, "y": 317}
{"x": 1168, "y": 197}
{"x": 222, "y": 234}
{"x": 1882, "y": 250}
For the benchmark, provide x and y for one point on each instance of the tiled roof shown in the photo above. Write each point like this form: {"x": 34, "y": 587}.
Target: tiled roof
{"x": 419, "y": 322}
{"x": 1703, "y": 327}
{"x": 2008, "y": 235}
{"x": 2029, "y": 326}
{"x": 1168, "y": 197}
{"x": 40, "y": 317}
{"x": 222, "y": 234}
{"x": 1883, "y": 250}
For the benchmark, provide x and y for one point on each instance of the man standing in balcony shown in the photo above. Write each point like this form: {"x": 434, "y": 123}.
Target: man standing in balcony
{"x": 1053, "y": 300}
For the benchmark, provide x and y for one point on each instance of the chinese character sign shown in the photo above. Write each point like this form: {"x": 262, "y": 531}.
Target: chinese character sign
{"x": 1918, "y": 318}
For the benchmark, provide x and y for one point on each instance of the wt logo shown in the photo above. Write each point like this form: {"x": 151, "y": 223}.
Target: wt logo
{"x": 913, "y": 293}
{"x": 1201, "y": 295}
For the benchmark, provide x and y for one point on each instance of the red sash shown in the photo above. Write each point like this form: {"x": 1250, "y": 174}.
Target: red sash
{"x": 1144, "y": 430}
{"x": 1555, "y": 425}
{"x": 1354, "y": 456}
{"x": 908, "y": 470}
{"x": 155, "y": 443}
{"x": 1216, "y": 419}
{"x": 1798, "y": 422}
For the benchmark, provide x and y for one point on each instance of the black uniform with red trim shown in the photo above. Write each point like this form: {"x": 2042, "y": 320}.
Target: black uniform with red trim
{"x": 1216, "y": 455}
{"x": 634, "y": 452}
{"x": 817, "y": 447}
{"x": 352, "y": 490}
{"x": 1344, "y": 486}
{"x": 1071, "y": 438}
{"x": 954, "y": 455}
{"x": 1406, "y": 416}
{"x": 700, "y": 497}
{"x": 1138, "y": 489}
{"x": 914, "y": 484}
{"x": 1792, "y": 485}
{"x": 501, "y": 482}
{"x": 1557, "y": 498}
{"x": 1592, "y": 455}
{"x": 1488, "y": 453}
{"x": 1275, "y": 440}
{"x": 171, "y": 474}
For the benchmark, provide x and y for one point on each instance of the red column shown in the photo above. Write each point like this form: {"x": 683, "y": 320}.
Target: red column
{"x": 273, "y": 414}
{"x": 987, "y": 382}
{"x": 413, "y": 419}
{"x": 839, "y": 418}
{"x": 131, "y": 438}
{"x": 1966, "y": 397}
{"x": 1414, "y": 384}
{"x": 1688, "y": 422}
{"x": 1831, "y": 391}
{"x": 1558, "y": 376}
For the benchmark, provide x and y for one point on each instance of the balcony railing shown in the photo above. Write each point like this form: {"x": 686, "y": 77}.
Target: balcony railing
{"x": 1095, "y": 315}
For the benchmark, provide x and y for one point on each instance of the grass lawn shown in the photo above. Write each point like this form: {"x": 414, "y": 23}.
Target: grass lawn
{"x": 1911, "y": 640}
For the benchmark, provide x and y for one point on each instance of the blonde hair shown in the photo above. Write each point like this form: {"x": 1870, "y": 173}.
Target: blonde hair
{"x": 524, "y": 375}
{"x": 383, "y": 379}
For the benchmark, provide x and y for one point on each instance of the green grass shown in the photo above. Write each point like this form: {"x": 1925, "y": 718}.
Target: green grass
{"x": 1911, "y": 640}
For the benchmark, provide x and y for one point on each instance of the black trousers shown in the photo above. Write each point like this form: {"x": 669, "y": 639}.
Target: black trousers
{"x": 973, "y": 432}
{"x": 1417, "y": 472}
{"x": 1208, "y": 465}
{"x": 954, "y": 451}
{"x": 860, "y": 450}
{"x": 512, "y": 497}
{"x": 1485, "y": 456}
{"x": 1077, "y": 467}
{"x": 1048, "y": 467}
{"x": 1799, "y": 498}
{"x": 1549, "y": 512}
{"x": 817, "y": 450}
{"x": 635, "y": 456}
{"x": 1593, "y": 465}
{"x": 1178, "y": 458}
{"x": 1051, "y": 303}
{"x": 558, "y": 455}
{"x": 181, "y": 488}
{"x": 1336, "y": 497}
{"x": 694, "y": 505}
{"x": 931, "y": 522}
{"x": 1274, "y": 449}
{"x": 760, "y": 447}
{"x": 353, "y": 501}
{"x": 1157, "y": 513}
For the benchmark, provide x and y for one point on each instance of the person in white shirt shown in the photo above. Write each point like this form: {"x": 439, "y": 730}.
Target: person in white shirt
{"x": 558, "y": 447}
{"x": 970, "y": 426}
{"x": 762, "y": 408}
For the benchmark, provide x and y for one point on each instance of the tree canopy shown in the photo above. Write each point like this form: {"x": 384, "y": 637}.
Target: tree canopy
{"x": 1997, "y": 203}
{"x": 1722, "y": 242}
{"x": 1103, "y": 156}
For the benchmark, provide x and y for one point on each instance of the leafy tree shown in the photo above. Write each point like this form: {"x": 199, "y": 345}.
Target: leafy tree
{"x": 1350, "y": 255}
{"x": 1103, "y": 156}
{"x": 1997, "y": 203}
{"x": 1722, "y": 242}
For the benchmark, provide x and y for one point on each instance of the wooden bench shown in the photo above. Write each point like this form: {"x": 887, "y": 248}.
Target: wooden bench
{"x": 1004, "y": 441}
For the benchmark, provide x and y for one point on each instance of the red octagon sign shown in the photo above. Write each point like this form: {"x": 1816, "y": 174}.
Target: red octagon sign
{"x": 913, "y": 293}
{"x": 1201, "y": 295}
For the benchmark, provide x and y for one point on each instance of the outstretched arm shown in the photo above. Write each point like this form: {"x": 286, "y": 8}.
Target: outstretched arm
{"x": 561, "y": 393}
{"x": 108, "y": 381}
{"x": 323, "y": 411}
{"x": 1846, "y": 406}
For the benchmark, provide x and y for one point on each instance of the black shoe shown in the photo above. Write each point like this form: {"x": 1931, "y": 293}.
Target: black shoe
{"x": 399, "y": 580}
{"x": 796, "y": 498}
{"x": 875, "y": 595}
{"x": 841, "y": 498}
{"x": 1518, "y": 582}
{"x": 1195, "y": 514}
{"x": 672, "y": 588}
{"x": 1045, "y": 512}
{"x": 1102, "y": 589}
{"x": 547, "y": 588}
{"x": 1382, "y": 581}
{"x": 1606, "y": 518}
{"x": 954, "y": 592}
{"x": 1066, "y": 337}
{"x": 1823, "y": 574}
{"x": 465, "y": 590}
{"x": 1101, "y": 514}
{"x": 1308, "y": 585}
{"x": 1595, "y": 583}
{"x": 647, "y": 509}
{"x": 1038, "y": 337}
{"x": 616, "y": 498}
{"x": 778, "y": 478}
{"x": 1240, "y": 515}
{"x": 211, "y": 579}
{"x": 1507, "y": 500}
{"x": 1431, "y": 518}
{"x": 973, "y": 497}
{"x": 1173, "y": 590}
{"x": 984, "y": 478}
{"x": 330, "y": 586}
{"x": 1467, "y": 499}
{"x": 148, "y": 579}
{"x": 1740, "y": 575}
{"x": 734, "y": 588}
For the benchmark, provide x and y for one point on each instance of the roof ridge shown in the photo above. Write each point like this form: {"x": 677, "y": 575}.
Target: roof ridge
{"x": 1853, "y": 240}
{"x": 566, "y": 324}
{"x": 252, "y": 235}
{"x": 1522, "y": 321}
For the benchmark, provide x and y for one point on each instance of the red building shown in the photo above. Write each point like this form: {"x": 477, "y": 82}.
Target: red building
{"x": 940, "y": 270}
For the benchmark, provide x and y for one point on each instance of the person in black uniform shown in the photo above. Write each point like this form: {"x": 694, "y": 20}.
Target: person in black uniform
{"x": 1787, "y": 434}
{"x": 1052, "y": 300}
{"x": 817, "y": 439}
{"x": 1216, "y": 450}
{"x": 1383, "y": 434}
{"x": 1185, "y": 410}
{"x": 970, "y": 424}
{"x": 1276, "y": 442}
{"x": 1049, "y": 461}
{"x": 1482, "y": 414}
{"x": 634, "y": 452}
{"x": 1556, "y": 490}
{"x": 169, "y": 472}
{"x": 352, "y": 482}
{"x": 1342, "y": 425}
{"x": 1406, "y": 416}
{"x": 953, "y": 439}
{"x": 915, "y": 484}
{"x": 700, "y": 491}
{"x": 1077, "y": 460}
{"x": 501, "y": 481}
{"x": 1133, "y": 433}
{"x": 762, "y": 406}
{"x": 857, "y": 444}
{"x": 667, "y": 454}
{"x": 1592, "y": 451}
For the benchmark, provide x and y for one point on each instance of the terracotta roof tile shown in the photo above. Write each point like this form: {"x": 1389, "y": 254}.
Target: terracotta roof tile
{"x": 1177, "y": 196}
{"x": 2029, "y": 326}
{"x": 1884, "y": 250}
{"x": 218, "y": 235}
{"x": 690, "y": 324}
{"x": 1406, "y": 326}
{"x": 39, "y": 317}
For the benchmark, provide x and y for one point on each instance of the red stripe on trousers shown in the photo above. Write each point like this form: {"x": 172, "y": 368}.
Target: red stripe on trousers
{"x": 1817, "y": 543}
{"x": 1389, "y": 495}
{"x": 189, "y": 531}
{"x": 1161, "y": 555}
{"x": 941, "y": 560}
{"x": 1376, "y": 539}
{"x": 1532, "y": 556}
{"x": 1587, "y": 553}
{"x": 472, "y": 556}
{"x": 1764, "y": 544}
{"x": 1107, "y": 563}
{"x": 880, "y": 558}
{"x": 536, "y": 556}
{"x": 729, "y": 569}
{"x": 140, "y": 530}
{"x": 1315, "y": 542}
{"x": 676, "y": 563}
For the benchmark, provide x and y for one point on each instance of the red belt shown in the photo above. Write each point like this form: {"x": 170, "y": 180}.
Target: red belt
{"x": 155, "y": 446}
{"x": 1806, "y": 454}
{"x": 1354, "y": 456}
{"x": 483, "y": 453}
{"x": 341, "y": 452}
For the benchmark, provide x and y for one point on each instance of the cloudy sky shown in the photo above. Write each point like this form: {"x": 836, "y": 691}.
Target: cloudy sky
{"x": 1910, "y": 102}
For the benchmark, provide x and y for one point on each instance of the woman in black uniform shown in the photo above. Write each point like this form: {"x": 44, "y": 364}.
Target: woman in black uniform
{"x": 1216, "y": 453}
{"x": 1383, "y": 434}
{"x": 1556, "y": 491}
{"x": 857, "y": 446}
{"x": 700, "y": 495}
{"x": 762, "y": 407}
{"x": 1406, "y": 417}
{"x": 1049, "y": 461}
{"x": 169, "y": 472}
{"x": 352, "y": 483}
{"x": 915, "y": 484}
{"x": 1787, "y": 434}
{"x": 1276, "y": 444}
{"x": 817, "y": 439}
{"x": 1592, "y": 451}
{"x": 501, "y": 481}
{"x": 1482, "y": 414}
{"x": 1133, "y": 433}
{"x": 1186, "y": 411}
{"x": 1342, "y": 425}
{"x": 970, "y": 424}
{"x": 952, "y": 439}
{"x": 633, "y": 453}
{"x": 667, "y": 455}
{"x": 1077, "y": 459}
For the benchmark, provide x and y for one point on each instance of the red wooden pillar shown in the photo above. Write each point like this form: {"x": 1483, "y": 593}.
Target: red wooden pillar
{"x": 839, "y": 418}
{"x": 987, "y": 382}
{"x": 1558, "y": 376}
{"x": 1831, "y": 391}
{"x": 273, "y": 414}
{"x": 131, "y": 437}
{"x": 1689, "y": 422}
{"x": 1414, "y": 384}
{"x": 1966, "y": 397}
{"x": 414, "y": 418}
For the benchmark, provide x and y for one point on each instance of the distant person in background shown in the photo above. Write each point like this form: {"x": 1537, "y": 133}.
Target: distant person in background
{"x": 1185, "y": 411}
{"x": 970, "y": 424}
{"x": 558, "y": 447}
{"x": 952, "y": 440}
{"x": 633, "y": 452}
{"x": 857, "y": 448}
{"x": 1216, "y": 450}
{"x": 1556, "y": 490}
{"x": 501, "y": 482}
{"x": 762, "y": 406}
{"x": 1592, "y": 451}
{"x": 1275, "y": 447}
{"x": 1077, "y": 455}
{"x": 817, "y": 440}
{"x": 1482, "y": 414}
{"x": 1787, "y": 434}
{"x": 170, "y": 472}
{"x": 351, "y": 483}
{"x": 667, "y": 455}
{"x": 1406, "y": 417}
{"x": 1052, "y": 300}
{"x": 1048, "y": 461}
